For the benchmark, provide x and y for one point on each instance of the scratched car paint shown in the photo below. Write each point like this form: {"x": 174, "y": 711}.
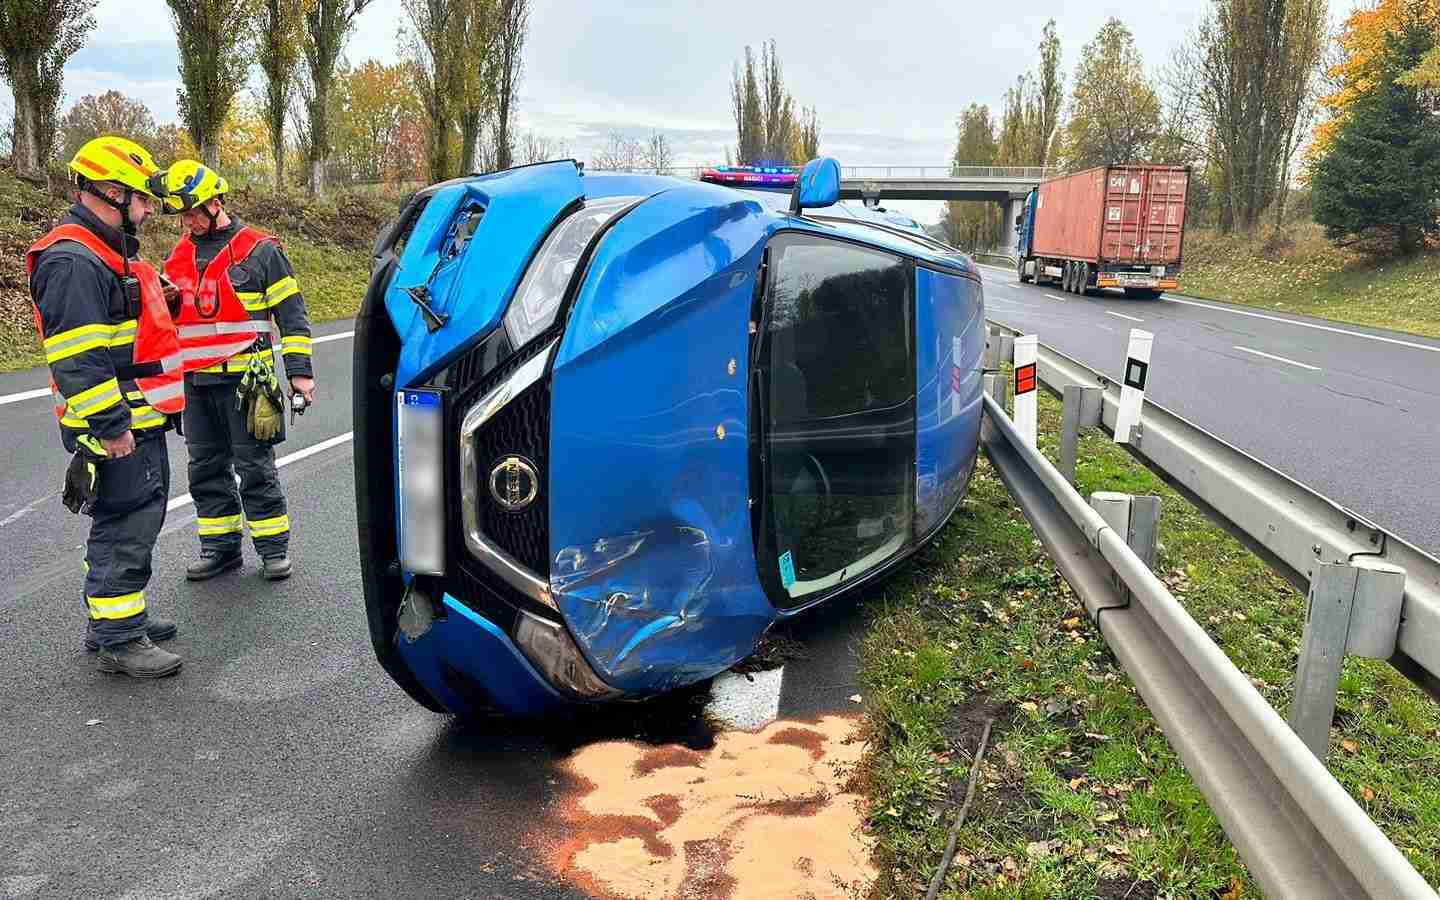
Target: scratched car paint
{"x": 614, "y": 427}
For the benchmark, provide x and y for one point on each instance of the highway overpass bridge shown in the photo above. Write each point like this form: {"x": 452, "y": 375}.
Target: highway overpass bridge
{"x": 1005, "y": 185}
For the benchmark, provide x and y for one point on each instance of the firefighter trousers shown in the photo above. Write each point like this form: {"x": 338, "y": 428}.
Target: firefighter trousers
{"x": 129, "y": 512}
{"x": 221, "y": 447}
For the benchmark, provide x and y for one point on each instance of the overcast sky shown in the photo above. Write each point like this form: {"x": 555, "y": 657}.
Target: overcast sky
{"x": 888, "y": 80}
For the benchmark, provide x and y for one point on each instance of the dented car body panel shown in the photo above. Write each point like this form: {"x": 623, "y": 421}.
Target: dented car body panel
{"x": 658, "y": 421}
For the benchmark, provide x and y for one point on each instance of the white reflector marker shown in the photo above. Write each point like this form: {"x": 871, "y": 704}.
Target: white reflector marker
{"x": 1026, "y": 378}
{"x": 1132, "y": 393}
{"x": 422, "y": 478}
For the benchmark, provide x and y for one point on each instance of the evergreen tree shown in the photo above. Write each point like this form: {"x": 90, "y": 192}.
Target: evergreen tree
{"x": 1383, "y": 171}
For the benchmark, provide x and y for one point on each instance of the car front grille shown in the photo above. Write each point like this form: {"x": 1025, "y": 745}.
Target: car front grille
{"x": 521, "y": 429}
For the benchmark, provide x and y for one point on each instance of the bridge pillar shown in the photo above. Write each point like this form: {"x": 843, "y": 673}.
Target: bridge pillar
{"x": 1009, "y": 209}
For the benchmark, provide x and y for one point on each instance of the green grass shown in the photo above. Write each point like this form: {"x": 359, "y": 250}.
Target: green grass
{"x": 1304, "y": 273}
{"x": 1081, "y": 794}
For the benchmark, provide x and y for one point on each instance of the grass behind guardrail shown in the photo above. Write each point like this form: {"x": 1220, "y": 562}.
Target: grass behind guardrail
{"x": 1081, "y": 795}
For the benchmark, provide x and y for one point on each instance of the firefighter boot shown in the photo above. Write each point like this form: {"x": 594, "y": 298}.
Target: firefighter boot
{"x": 156, "y": 629}
{"x": 277, "y": 568}
{"x": 138, "y": 659}
{"x": 212, "y": 563}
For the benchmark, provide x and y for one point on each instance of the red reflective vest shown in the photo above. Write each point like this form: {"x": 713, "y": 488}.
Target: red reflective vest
{"x": 213, "y": 324}
{"x": 155, "y": 338}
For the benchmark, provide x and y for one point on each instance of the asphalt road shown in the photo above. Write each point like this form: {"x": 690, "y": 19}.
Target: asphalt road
{"x": 1352, "y": 412}
{"x": 281, "y": 762}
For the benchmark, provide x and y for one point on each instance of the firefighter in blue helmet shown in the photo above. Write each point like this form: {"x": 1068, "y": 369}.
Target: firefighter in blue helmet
{"x": 115, "y": 373}
{"x": 233, "y": 281}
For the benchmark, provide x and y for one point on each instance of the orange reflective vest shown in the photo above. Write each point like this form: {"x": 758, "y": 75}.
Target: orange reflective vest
{"x": 155, "y": 338}
{"x": 213, "y": 324}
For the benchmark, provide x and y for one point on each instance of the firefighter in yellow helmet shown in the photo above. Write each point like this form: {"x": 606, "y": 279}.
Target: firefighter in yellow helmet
{"x": 233, "y": 281}
{"x": 114, "y": 370}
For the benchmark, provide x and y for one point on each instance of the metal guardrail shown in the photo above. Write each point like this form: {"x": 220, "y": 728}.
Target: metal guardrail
{"x": 1291, "y": 526}
{"x": 1301, "y": 834}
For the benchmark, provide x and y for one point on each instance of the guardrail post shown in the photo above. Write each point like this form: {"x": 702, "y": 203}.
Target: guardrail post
{"x": 999, "y": 349}
{"x": 1082, "y": 410}
{"x": 1338, "y": 591}
{"x": 997, "y": 386}
{"x": 1137, "y": 519}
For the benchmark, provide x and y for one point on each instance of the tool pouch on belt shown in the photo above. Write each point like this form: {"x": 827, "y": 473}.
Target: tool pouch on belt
{"x": 258, "y": 397}
{"x": 82, "y": 478}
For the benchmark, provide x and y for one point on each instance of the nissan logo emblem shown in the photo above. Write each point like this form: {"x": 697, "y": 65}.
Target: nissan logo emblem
{"x": 514, "y": 484}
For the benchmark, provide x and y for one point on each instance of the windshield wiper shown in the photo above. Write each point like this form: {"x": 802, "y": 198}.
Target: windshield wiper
{"x": 434, "y": 321}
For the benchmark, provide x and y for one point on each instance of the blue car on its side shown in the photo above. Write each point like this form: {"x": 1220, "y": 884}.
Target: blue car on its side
{"x": 611, "y": 428}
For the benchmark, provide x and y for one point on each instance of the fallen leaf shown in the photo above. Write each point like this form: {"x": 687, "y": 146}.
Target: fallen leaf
{"x": 1029, "y": 707}
{"x": 1071, "y": 624}
{"x": 1097, "y": 737}
{"x": 856, "y": 698}
{"x": 1234, "y": 892}
{"x": 1349, "y": 745}
{"x": 1106, "y": 817}
{"x": 1368, "y": 794}
{"x": 1027, "y": 664}
{"x": 1076, "y": 782}
{"x": 90, "y": 722}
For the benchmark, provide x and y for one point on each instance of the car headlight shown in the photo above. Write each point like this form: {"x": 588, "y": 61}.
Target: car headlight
{"x": 543, "y": 287}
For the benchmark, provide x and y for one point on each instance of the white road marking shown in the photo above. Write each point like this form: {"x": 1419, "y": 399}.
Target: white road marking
{"x": 185, "y": 499}
{"x": 1054, "y": 297}
{"x": 1344, "y": 331}
{"x": 1278, "y": 358}
{"x": 24, "y": 511}
{"x": 24, "y": 395}
{"x": 748, "y": 703}
{"x": 1122, "y": 316}
{"x": 45, "y": 391}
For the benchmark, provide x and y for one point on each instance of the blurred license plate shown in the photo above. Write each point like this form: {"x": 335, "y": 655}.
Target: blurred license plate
{"x": 421, "y": 463}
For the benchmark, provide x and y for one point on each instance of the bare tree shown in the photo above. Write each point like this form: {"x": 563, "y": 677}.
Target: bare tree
{"x": 278, "y": 52}
{"x": 327, "y": 24}
{"x": 36, "y": 38}
{"x": 509, "y": 45}
{"x": 809, "y": 135}
{"x": 620, "y": 154}
{"x": 109, "y": 113}
{"x": 658, "y": 156}
{"x": 534, "y": 148}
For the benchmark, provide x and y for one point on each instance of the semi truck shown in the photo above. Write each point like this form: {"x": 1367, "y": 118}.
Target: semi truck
{"x": 1116, "y": 226}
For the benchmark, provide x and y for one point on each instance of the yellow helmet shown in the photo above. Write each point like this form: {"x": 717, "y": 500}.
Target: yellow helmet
{"x": 122, "y": 161}
{"x": 189, "y": 183}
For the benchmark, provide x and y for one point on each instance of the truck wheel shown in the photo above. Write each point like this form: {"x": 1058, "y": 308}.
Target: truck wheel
{"x": 1083, "y": 282}
{"x": 1065, "y": 276}
{"x": 1020, "y": 271}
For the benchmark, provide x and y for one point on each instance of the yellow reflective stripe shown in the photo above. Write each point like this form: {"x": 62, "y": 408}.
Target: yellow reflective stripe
{"x": 217, "y": 525}
{"x": 124, "y": 334}
{"x": 253, "y": 301}
{"x": 96, "y": 399}
{"x": 236, "y": 362}
{"x": 142, "y": 417}
{"x": 92, "y": 443}
{"x": 77, "y": 340}
{"x": 134, "y": 395}
{"x": 269, "y": 527}
{"x": 299, "y": 343}
{"x": 70, "y": 421}
{"x": 281, "y": 290}
{"x": 122, "y": 607}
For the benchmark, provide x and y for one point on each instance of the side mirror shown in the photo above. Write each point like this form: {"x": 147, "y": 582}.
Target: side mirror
{"x": 818, "y": 185}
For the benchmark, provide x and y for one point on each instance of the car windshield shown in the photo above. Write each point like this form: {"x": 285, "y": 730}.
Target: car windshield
{"x": 840, "y": 429}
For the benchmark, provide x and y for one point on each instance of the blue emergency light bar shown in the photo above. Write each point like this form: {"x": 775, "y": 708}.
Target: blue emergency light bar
{"x": 752, "y": 176}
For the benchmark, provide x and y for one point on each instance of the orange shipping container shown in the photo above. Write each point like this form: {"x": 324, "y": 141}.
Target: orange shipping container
{"x": 1133, "y": 215}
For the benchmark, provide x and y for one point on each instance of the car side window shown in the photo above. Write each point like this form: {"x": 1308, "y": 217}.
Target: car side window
{"x": 839, "y": 413}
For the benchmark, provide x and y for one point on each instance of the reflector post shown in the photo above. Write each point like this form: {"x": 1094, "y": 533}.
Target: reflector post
{"x": 1132, "y": 392}
{"x": 1026, "y": 410}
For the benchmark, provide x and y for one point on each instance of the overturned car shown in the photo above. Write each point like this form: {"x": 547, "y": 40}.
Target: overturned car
{"x": 611, "y": 428}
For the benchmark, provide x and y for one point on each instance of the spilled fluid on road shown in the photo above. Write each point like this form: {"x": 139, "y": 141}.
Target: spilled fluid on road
{"x": 757, "y": 815}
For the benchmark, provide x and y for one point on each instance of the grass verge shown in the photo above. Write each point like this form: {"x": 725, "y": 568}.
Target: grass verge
{"x": 1081, "y": 795}
{"x": 1301, "y": 272}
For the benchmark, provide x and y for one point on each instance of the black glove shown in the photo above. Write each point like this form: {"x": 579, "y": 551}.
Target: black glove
{"x": 81, "y": 479}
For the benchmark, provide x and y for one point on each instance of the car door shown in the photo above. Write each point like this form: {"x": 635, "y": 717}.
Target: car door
{"x": 836, "y": 416}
